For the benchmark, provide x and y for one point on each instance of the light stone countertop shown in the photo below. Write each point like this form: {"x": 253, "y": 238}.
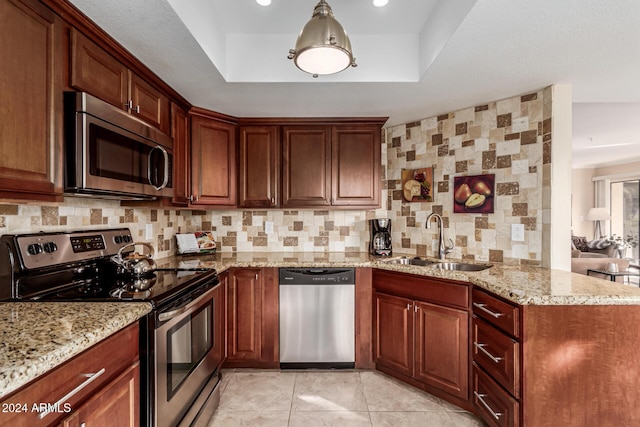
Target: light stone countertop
{"x": 525, "y": 285}
{"x": 35, "y": 337}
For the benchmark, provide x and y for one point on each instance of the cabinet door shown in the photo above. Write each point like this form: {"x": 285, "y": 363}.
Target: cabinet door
{"x": 181, "y": 156}
{"x": 442, "y": 348}
{"x": 355, "y": 166}
{"x": 306, "y": 166}
{"x": 245, "y": 313}
{"x": 259, "y": 164}
{"x": 148, "y": 103}
{"x": 117, "y": 404}
{"x": 393, "y": 329}
{"x": 213, "y": 162}
{"x": 30, "y": 66}
{"x": 94, "y": 71}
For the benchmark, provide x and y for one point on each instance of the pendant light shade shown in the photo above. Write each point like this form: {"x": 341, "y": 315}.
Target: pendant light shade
{"x": 323, "y": 46}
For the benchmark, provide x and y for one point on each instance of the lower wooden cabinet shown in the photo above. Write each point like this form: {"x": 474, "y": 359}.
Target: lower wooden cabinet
{"x": 423, "y": 341}
{"x": 98, "y": 387}
{"x": 252, "y": 321}
{"x": 115, "y": 404}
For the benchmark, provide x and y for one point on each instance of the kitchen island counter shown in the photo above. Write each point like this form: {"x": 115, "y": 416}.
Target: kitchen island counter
{"x": 35, "y": 337}
{"x": 521, "y": 284}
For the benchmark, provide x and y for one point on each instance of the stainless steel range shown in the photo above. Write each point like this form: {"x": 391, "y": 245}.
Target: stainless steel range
{"x": 179, "y": 342}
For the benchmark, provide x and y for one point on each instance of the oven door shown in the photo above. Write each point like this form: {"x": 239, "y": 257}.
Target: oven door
{"x": 185, "y": 360}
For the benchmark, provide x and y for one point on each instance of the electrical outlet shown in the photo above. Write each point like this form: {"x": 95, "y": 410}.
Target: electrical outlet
{"x": 517, "y": 232}
{"x": 268, "y": 227}
{"x": 148, "y": 231}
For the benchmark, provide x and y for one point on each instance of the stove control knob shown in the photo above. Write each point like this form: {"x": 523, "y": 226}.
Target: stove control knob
{"x": 127, "y": 239}
{"x": 50, "y": 247}
{"x": 34, "y": 249}
{"x": 118, "y": 239}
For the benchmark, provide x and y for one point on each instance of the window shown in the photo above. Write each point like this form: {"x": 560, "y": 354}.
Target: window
{"x": 625, "y": 212}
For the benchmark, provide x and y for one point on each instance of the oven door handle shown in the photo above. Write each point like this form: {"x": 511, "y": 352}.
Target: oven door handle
{"x": 168, "y": 315}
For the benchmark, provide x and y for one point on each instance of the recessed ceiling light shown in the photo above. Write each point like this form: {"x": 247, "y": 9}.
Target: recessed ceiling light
{"x": 263, "y": 2}
{"x": 380, "y": 3}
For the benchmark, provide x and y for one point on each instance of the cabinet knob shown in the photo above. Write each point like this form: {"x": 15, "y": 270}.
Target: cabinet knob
{"x": 273, "y": 201}
{"x": 408, "y": 307}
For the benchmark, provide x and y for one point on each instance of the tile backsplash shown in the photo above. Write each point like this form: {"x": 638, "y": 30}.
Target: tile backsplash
{"x": 509, "y": 138}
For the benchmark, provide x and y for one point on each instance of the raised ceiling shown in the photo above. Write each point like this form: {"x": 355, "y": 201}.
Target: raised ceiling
{"x": 416, "y": 58}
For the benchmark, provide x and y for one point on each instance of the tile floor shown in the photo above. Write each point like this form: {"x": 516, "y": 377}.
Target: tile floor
{"x": 329, "y": 398}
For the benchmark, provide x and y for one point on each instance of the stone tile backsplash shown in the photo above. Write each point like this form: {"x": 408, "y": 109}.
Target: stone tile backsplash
{"x": 509, "y": 138}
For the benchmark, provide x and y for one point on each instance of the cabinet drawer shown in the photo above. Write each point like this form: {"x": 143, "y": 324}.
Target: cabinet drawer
{"x": 498, "y": 354}
{"x": 437, "y": 291}
{"x": 114, "y": 354}
{"x": 499, "y": 313}
{"x": 493, "y": 403}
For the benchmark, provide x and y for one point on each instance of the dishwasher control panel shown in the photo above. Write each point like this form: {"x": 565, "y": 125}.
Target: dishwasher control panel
{"x": 317, "y": 276}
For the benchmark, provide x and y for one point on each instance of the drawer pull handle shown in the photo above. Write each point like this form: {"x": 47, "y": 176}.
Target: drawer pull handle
{"x": 91, "y": 378}
{"x": 486, "y": 310}
{"x": 479, "y": 396}
{"x": 489, "y": 355}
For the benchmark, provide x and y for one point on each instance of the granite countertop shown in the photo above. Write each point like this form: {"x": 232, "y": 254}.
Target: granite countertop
{"x": 525, "y": 285}
{"x": 35, "y": 337}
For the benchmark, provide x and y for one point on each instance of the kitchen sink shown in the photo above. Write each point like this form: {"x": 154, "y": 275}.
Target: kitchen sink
{"x": 410, "y": 261}
{"x": 460, "y": 266}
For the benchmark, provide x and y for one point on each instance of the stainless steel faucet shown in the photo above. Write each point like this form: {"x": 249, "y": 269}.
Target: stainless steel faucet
{"x": 442, "y": 249}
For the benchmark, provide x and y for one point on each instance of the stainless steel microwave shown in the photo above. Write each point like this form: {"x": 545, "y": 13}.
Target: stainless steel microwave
{"x": 111, "y": 153}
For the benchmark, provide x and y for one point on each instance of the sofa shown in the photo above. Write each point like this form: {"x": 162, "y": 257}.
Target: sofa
{"x": 595, "y": 255}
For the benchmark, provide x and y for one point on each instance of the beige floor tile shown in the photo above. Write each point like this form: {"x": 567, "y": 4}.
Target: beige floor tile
{"x": 329, "y": 391}
{"x": 384, "y": 393}
{"x": 411, "y": 419}
{"x": 258, "y": 391}
{"x": 249, "y": 419}
{"x": 329, "y": 419}
{"x": 466, "y": 419}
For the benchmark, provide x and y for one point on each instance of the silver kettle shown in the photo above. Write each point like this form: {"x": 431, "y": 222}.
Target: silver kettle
{"x": 134, "y": 263}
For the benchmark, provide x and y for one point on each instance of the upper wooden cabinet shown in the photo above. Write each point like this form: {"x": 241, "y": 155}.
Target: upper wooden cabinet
{"x": 355, "y": 163}
{"x": 31, "y": 69}
{"x": 213, "y": 160}
{"x": 306, "y": 166}
{"x": 321, "y": 163}
{"x": 181, "y": 156}
{"x": 95, "y": 71}
{"x": 259, "y": 167}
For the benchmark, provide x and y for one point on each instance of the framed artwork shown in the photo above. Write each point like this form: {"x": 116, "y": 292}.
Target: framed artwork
{"x": 417, "y": 185}
{"x": 474, "y": 194}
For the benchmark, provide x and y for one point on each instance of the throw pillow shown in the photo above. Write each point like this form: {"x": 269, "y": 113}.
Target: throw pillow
{"x": 580, "y": 242}
{"x": 599, "y": 244}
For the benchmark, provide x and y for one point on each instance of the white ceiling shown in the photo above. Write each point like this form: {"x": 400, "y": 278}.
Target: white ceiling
{"x": 416, "y": 58}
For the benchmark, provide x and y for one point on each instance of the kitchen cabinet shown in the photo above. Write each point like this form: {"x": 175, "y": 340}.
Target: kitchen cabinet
{"x": 101, "y": 385}
{"x": 355, "y": 165}
{"x": 31, "y": 69}
{"x": 259, "y": 167}
{"x": 306, "y": 166}
{"x": 496, "y": 359}
{"x": 213, "y": 159}
{"x": 181, "y": 177}
{"x": 421, "y": 332}
{"x": 95, "y": 71}
{"x": 252, "y": 322}
{"x": 331, "y": 165}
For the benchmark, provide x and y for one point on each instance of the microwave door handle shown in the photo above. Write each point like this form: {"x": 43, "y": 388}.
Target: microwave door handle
{"x": 166, "y": 168}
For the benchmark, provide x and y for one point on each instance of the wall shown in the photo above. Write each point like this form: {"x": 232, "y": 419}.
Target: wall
{"x": 509, "y": 138}
{"x": 243, "y": 231}
{"x": 506, "y": 138}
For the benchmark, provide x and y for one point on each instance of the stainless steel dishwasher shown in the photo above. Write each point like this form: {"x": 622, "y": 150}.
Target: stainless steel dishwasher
{"x": 317, "y": 318}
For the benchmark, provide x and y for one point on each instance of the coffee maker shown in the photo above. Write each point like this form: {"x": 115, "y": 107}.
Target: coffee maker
{"x": 380, "y": 244}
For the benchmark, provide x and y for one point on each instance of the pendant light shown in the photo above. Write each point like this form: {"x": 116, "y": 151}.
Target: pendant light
{"x": 323, "y": 46}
